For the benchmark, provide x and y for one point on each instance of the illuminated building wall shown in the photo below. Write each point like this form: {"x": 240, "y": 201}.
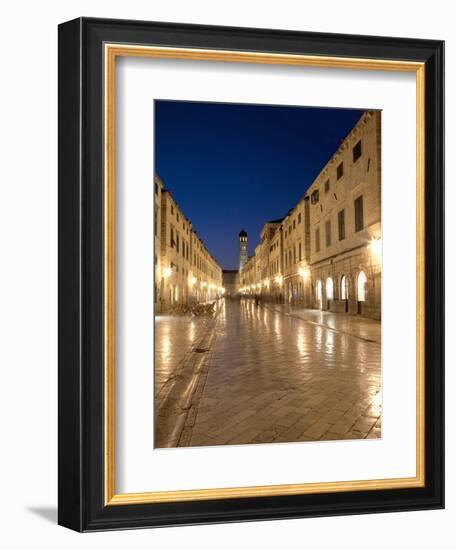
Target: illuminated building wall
{"x": 326, "y": 252}
{"x": 185, "y": 271}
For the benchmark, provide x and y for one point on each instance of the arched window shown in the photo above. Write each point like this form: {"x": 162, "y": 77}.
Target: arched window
{"x": 362, "y": 282}
{"x": 344, "y": 288}
{"x": 318, "y": 291}
{"x": 329, "y": 289}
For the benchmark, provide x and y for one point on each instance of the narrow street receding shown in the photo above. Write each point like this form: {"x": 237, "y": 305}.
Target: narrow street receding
{"x": 268, "y": 274}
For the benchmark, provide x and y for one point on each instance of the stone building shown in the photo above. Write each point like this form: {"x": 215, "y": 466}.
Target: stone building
{"x": 326, "y": 252}
{"x": 185, "y": 271}
{"x": 231, "y": 283}
{"x": 265, "y": 257}
{"x": 276, "y": 263}
{"x": 296, "y": 272}
{"x": 345, "y": 224}
{"x": 157, "y": 235}
{"x": 248, "y": 277}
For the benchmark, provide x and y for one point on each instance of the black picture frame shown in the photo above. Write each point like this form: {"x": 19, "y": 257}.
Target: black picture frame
{"x": 81, "y": 322}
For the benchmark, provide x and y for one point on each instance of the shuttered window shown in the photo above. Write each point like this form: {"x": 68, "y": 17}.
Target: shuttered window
{"x": 340, "y": 170}
{"x": 357, "y": 151}
{"x": 359, "y": 214}
{"x": 328, "y": 233}
{"x": 341, "y": 224}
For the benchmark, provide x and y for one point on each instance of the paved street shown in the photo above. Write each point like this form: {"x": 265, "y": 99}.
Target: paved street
{"x": 366, "y": 329}
{"x": 262, "y": 374}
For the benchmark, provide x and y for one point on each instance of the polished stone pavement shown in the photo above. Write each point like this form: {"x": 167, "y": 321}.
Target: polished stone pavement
{"x": 265, "y": 373}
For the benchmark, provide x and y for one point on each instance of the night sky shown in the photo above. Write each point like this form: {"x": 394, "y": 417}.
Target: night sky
{"x": 233, "y": 166}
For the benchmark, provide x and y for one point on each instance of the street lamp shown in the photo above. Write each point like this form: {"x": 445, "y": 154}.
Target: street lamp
{"x": 167, "y": 272}
{"x": 376, "y": 248}
{"x": 304, "y": 272}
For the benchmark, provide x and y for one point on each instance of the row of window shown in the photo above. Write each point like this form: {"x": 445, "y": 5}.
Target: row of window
{"x": 200, "y": 264}
{"x": 356, "y": 152}
{"x": 175, "y": 243}
{"x": 359, "y": 225}
{"x": 184, "y": 248}
{"x": 273, "y": 246}
{"x": 274, "y": 267}
{"x": 178, "y": 242}
{"x": 293, "y": 256}
{"x": 185, "y": 228}
{"x": 292, "y": 226}
{"x": 183, "y": 270}
{"x": 175, "y": 267}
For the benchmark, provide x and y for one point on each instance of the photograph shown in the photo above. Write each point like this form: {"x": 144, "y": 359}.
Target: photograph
{"x": 267, "y": 279}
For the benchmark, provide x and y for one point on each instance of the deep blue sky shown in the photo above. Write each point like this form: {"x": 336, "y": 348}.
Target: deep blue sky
{"x": 232, "y": 166}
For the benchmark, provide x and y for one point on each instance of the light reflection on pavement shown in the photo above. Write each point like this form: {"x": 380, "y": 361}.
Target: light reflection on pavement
{"x": 274, "y": 377}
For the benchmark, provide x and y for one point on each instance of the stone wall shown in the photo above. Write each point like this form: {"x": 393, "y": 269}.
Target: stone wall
{"x": 291, "y": 266}
{"x": 185, "y": 271}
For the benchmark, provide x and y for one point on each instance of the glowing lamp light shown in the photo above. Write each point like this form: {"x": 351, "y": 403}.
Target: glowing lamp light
{"x": 167, "y": 272}
{"x": 192, "y": 281}
{"x": 304, "y": 272}
{"x": 222, "y": 290}
{"x": 376, "y": 248}
{"x": 279, "y": 279}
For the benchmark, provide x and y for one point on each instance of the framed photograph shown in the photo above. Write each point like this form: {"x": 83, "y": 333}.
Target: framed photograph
{"x": 250, "y": 274}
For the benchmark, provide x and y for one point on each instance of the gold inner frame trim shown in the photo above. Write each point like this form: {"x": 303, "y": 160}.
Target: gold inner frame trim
{"x": 111, "y": 52}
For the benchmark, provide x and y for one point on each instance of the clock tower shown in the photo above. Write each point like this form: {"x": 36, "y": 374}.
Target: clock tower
{"x": 243, "y": 251}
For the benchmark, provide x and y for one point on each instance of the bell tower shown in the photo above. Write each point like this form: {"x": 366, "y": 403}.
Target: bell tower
{"x": 243, "y": 251}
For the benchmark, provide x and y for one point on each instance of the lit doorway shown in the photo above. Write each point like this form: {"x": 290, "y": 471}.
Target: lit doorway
{"x": 318, "y": 294}
{"x": 361, "y": 290}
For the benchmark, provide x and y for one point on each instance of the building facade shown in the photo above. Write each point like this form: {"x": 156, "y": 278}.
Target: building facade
{"x": 345, "y": 224}
{"x": 185, "y": 271}
{"x": 326, "y": 252}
